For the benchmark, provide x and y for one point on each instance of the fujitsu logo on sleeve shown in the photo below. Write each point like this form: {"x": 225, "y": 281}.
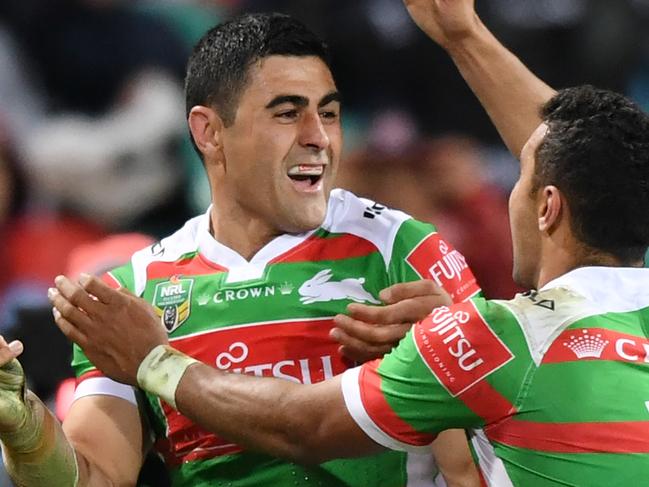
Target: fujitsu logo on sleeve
{"x": 459, "y": 347}
{"x": 434, "y": 258}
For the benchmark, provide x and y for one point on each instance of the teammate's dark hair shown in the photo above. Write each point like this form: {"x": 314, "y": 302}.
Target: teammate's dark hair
{"x": 596, "y": 152}
{"x": 218, "y": 68}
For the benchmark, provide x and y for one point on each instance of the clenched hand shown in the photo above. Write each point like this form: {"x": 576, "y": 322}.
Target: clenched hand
{"x": 444, "y": 21}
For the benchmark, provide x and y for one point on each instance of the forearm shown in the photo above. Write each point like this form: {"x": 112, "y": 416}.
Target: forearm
{"x": 37, "y": 453}
{"x": 303, "y": 423}
{"x": 267, "y": 415}
{"x": 509, "y": 92}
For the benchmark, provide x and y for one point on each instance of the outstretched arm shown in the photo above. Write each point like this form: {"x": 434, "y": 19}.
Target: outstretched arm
{"x": 509, "y": 92}
{"x": 308, "y": 424}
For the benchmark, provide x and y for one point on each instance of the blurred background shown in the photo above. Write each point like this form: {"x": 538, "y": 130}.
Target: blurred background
{"x": 94, "y": 146}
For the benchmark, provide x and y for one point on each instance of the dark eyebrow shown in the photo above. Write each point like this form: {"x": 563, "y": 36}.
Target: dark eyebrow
{"x": 302, "y": 101}
{"x": 298, "y": 101}
{"x": 333, "y": 96}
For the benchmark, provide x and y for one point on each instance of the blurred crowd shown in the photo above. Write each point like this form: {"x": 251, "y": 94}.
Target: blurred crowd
{"x": 94, "y": 145}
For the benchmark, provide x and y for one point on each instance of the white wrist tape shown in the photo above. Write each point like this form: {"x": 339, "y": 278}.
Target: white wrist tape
{"x": 161, "y": 370}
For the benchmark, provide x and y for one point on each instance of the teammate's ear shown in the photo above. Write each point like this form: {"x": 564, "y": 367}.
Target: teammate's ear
{"x": 205, "y": 126}
{"x": 550, "y": 209}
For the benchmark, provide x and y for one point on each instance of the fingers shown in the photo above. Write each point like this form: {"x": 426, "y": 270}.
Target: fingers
{"x": 65, "y": 309}
{"x": 363, "y": 341}
{"x": 73, "y": 294}
{"x": 357, "y": 350}
{"x": 102, "y": 291}
{"x": 406, "y": 290}
{"x": 69, "y": 330}
{"x": 9, "y": 351}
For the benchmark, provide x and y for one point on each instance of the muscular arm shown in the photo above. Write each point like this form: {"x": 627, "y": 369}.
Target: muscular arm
{"x": 307, "y": 424}
{"x": 509, "y": 92}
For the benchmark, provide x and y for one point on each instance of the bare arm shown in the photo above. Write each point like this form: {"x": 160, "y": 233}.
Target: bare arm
{"x": 509, "y": 92}
{"x": 307, "y": 424}
{"x": 100, "y": 444}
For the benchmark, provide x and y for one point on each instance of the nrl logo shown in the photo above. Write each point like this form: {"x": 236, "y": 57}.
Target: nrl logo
{"x": 321, "y": 288}
{"x": 171, "y": 301}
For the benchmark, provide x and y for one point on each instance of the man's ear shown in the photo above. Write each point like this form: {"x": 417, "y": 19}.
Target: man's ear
{"x": 550, "y": 209}
{"x": 206, "y": 126}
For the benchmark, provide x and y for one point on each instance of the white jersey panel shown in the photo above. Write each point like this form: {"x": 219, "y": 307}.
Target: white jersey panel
{"x": 364, "y": 218}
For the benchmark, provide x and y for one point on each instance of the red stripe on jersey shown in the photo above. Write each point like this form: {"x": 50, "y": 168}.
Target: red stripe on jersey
{"x": 192, "y": 266}
{"x": 315, "y": 249}
{"x": 487, "y": 402}
{"x": 434, "y": 258}
{"x": 610, "y": 437}
{"x": 382, "y": 413}
{"x": 597, "y": 344}
{"x": 89, "y": 375}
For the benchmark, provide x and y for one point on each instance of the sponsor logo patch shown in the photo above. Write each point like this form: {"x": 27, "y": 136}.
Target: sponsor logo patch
{"x": 320, "y": 288}
{"x": 433, "y": 258}
{"x": 172, "y": 301}
{"x": 597, "y": 344}
{"x": 459, "y": 347}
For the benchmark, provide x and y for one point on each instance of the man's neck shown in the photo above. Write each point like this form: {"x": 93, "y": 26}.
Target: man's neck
{"x": 556, "y": 262}
{"x": 240, "y": 232}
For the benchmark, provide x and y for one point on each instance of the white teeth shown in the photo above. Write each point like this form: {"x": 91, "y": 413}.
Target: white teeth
{"x": 306, "y": 170}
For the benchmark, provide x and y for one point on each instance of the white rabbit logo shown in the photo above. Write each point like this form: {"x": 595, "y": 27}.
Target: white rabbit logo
{"x": 320, "y": 288}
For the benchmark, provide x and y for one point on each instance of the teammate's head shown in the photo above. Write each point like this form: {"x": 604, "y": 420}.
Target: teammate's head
{"x": 264, "y": 114}
{"x": 588, "y": 165}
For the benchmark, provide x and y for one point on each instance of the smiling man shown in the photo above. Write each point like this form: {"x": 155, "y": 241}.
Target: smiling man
{"x": 256, "y": 285}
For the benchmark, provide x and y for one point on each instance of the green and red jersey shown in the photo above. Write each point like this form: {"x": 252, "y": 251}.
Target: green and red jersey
{"x": 553, "y": 385}
{"x": 271, "y": 316}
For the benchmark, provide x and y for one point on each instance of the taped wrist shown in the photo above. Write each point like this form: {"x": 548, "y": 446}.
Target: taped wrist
{"x": 161, "y": 371}
{"x": 38, "y": 452}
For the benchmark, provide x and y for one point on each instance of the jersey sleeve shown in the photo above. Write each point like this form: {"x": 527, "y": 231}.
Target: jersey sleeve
{"x": 420, "y": 252}
{"x": 91, "y": 381}
{"x": 464, "y": 366}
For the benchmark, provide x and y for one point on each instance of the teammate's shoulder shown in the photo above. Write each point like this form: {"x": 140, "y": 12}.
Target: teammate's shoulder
{"x": 544, "y": 314}
{"x": 348, "y": 213}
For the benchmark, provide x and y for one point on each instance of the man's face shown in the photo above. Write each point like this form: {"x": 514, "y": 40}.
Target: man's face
{"x": 523, "y": 216}
{"x": 282, "y": 151}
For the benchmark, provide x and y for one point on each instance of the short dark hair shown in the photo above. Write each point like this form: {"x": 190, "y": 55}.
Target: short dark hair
{"x": 596, "y": 152}
{"x": 217, "y": 71}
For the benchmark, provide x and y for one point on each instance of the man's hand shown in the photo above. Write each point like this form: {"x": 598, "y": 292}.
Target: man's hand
{"x": 444, "y": 21}
{"x": 370, "y": 332}
{"x": 12, "y": 387}
{"x": 115, "y": 329}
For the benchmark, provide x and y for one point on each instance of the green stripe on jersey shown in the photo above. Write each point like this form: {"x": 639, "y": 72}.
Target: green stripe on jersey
{"x": 529, "y": 468}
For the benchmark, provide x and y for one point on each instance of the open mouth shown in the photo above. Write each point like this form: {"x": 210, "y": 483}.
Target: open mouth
{"x": 306, "y": 177}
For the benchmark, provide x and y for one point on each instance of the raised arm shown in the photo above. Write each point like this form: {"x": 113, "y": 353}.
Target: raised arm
{"x": 100, "y": 444}
{"x": 509, "y": 92}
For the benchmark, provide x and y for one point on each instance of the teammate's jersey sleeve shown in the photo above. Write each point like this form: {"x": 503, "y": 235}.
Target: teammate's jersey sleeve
{"x": 462, "y": 367}
{"x": 91, "y": 381}
{"x": 420, "y": 252}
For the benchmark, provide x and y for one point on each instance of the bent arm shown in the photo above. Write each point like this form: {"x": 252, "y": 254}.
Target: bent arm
{"x": 303, "y": 423}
